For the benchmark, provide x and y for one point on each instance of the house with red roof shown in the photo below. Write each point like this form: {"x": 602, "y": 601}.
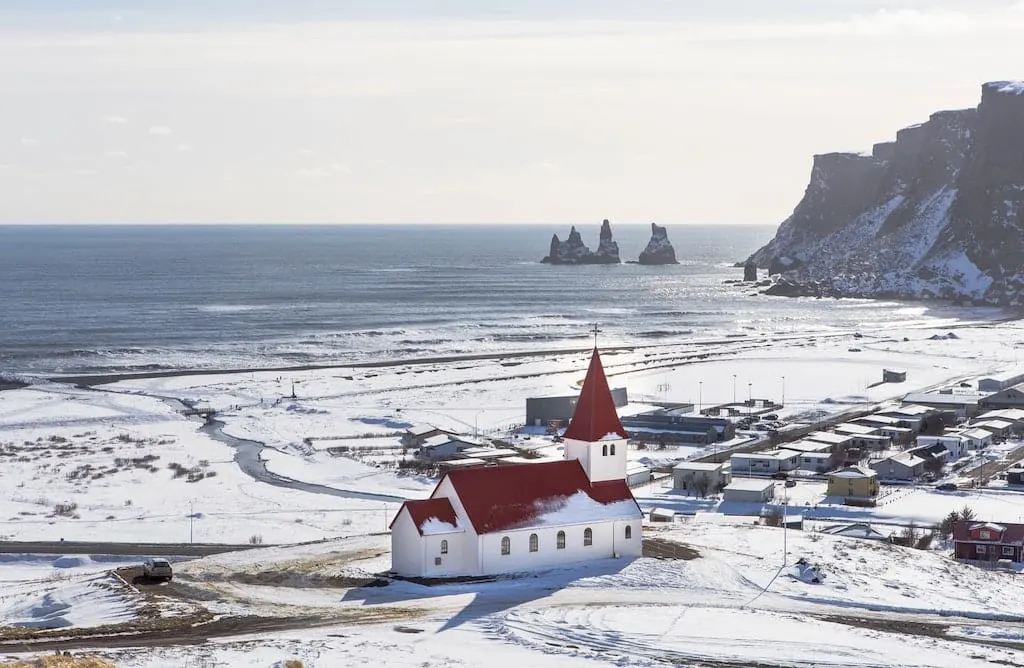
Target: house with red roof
{"x": 484, "y": 520}
{"x": 988, "y": 541}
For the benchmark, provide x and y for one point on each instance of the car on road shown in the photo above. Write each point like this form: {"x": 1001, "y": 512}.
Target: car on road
{"x": 157, "y": 568}
{"x": 946, "y": 487}
{"x": 790, "y": 482}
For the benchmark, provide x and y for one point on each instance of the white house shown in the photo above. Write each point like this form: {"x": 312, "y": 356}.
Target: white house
{"x": 977, "y": 438}
{"x": 749, "y": 463}
{"x": 483, "y": 520}
{"x": 955, "y": 443}
{"x": 749, "y": 490}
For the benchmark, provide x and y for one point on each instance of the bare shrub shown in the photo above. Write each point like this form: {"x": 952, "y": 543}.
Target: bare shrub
{"x": 65, "y": 509}
{"x": 256, "y": 539}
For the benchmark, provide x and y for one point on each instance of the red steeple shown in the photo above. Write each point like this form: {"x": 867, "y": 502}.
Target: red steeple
{"x": 595, "y": 416}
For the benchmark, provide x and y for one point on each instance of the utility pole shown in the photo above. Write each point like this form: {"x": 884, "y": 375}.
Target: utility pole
{"x": 785, "y": 508}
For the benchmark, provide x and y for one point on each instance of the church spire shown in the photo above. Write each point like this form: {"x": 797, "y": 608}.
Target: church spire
{"x": 595, "y": 416}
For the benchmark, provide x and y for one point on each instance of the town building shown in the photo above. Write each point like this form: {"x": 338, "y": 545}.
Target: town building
{"x": 700, "y": 478}
{"x": 902, "y": 466}
{"x": 988, "y": 541}
{"x": 865, "y": 438}
{"x": 955, "y": 444}
{"x": 557, "y": 411}
{"x": 443, "y": 446}
{"x": 893, "y": 375}
{"x": 1015, "y": 475}
{"x": 1001, "y": 381}
{"x": 816, "y": 462}
{"x": 749, "y": 490}
{"x": 962, "y": 404}
{"x": 763, "y": 463}
{"x": 677, "y": 425}
{"x": 856, "y": 485}
{"x": 976, "y": 438}
{"x": 416, "y": 435}
{"x": 997, "y": 427}
{"x": 483, "y": 520}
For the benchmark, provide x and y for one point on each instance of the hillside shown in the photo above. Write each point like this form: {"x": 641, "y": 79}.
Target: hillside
{"x": 937, "y": 213}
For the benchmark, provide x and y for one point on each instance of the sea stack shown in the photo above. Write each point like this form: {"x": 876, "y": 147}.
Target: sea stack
{"x": 659, "y": 249}
{"x": 574, "y": 251}
{"x": 937, "y": 213}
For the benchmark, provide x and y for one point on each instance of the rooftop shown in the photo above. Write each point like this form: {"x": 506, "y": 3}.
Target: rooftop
{"x": 858, "y": 429}
{"x": 750, "y": 484}
{"x": 697, "y": 466}
{"x": 595, "y": 417}
{"x": 964, "y": 399}
{"x": 828, "y": 437}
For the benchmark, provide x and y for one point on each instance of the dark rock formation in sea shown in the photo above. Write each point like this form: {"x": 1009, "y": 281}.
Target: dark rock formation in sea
{"x": 750, "y": 272}
{"x": 659, "y": 249}
{"x": 574, "y": 251}
{"x": 937, "y": 213}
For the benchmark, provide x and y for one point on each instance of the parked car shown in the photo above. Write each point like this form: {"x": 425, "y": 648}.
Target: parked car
{"x": 780, "y": 475}
{"x": 790, "y": 482}
{"x": 770, "y": 417}
{"x": 946, "y": 487}
{"x": 157, "y": 569}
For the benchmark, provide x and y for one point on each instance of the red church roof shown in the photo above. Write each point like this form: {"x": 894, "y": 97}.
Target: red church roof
{"x": 425, "y": 510}
{"x": 510, "y": 496}
{"x": 595, "y": 416}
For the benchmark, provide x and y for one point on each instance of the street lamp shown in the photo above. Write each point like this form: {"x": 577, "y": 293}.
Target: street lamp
{"x": 734, "y": 388}
{"x": 783, "y": 391}
{"x": 700, "y": 396}
{"x": 750, "y": 398}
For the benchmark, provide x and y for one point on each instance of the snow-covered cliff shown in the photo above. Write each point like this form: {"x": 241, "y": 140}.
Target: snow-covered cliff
{"x": 937, "y": 213}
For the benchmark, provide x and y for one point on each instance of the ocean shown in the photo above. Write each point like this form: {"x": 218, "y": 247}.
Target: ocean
{"x": 90, "y": 299}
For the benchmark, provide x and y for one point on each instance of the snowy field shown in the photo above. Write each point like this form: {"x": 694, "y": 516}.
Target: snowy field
{"x": 734, "y": 602}
{"x": 117, "y": 463}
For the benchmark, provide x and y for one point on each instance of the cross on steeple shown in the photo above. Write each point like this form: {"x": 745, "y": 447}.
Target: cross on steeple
{"x": 595, "y": 332}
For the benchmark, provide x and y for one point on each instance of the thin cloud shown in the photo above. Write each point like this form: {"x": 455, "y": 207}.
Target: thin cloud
{"x": 29, "y": 141}
{"x": 117, "y": 154}
{"x": 160, "y": 130}
{"x": 118, "y": 120}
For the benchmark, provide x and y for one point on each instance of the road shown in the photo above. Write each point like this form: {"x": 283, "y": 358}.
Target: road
{"x": 126, "y": 549}
{"x": 991, "y": 469}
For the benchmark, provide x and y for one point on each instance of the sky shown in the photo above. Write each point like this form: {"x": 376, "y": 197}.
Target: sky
{"x": 466, "y": 111}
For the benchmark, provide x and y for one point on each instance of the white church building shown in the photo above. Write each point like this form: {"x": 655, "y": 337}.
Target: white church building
{"x": 499, "y": 519}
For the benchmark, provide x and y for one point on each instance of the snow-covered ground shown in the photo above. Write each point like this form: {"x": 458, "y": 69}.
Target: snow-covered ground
{"x": 734, "y": 602}
{"x": 97, "y": 465}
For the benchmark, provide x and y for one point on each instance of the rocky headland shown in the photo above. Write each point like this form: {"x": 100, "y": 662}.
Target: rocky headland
{"x": 937, "y": 213}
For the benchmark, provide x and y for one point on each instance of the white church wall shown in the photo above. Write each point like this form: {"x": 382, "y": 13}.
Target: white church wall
{"x": 469, "y": 552}
{"x": 452, "y": 563}
{"x": 609, "y": 539}
{"x": 406, "y": 546}
{"x": 598, "y": 466}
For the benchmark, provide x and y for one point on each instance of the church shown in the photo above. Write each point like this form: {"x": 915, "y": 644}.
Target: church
{"x": 486, "y": 520}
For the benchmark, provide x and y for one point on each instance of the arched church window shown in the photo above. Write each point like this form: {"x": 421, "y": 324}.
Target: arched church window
{"x": 604, "y": 450}
{"x": 613, "y": 449}
{"x": 629, "y": 532}
{"x": 534, "y": 542}
{"x": 588, "y": 537}
{"x": 506, "y": 545}
{"x": 444, "y": 545}
{"x": 560, "y": 540}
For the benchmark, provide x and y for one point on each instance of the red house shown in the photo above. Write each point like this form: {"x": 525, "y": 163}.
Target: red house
{"x": 988, "y": 541}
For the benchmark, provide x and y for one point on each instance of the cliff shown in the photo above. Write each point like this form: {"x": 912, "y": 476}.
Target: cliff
{"x": 939, "y": 212}
{"x": 574, "y": 251}
{"x": 659, "y": 249}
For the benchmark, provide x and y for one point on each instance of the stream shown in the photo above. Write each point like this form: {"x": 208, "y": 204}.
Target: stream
{"x": 247, "y": 456}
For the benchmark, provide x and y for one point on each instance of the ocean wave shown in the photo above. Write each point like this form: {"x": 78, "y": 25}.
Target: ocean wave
{"x": 663, "y": 333}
